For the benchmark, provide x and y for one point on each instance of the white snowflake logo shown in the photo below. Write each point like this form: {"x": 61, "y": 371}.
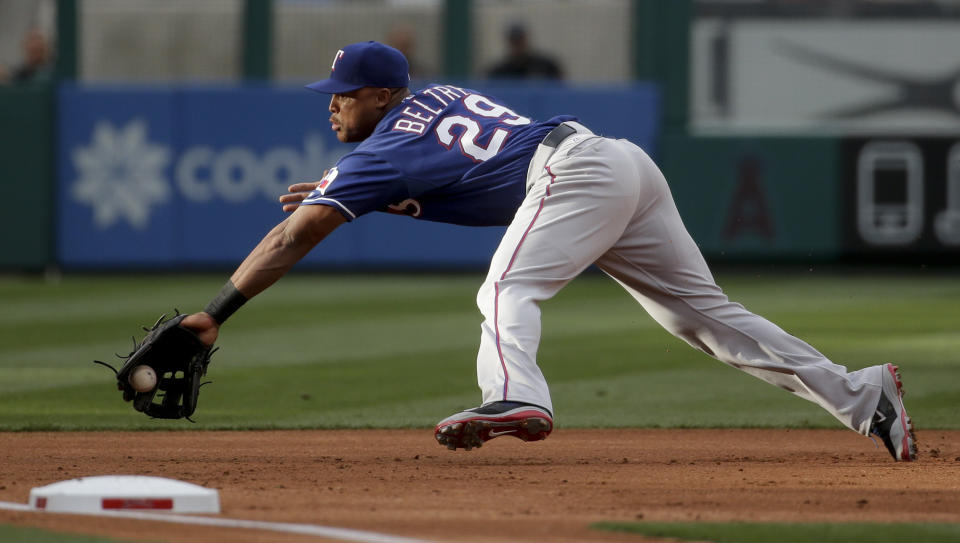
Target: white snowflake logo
{"x": 121, "y": 174}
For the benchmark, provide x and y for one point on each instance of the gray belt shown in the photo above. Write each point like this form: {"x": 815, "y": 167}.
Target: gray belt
{"x": 558, "y": 134}
{"x": 551, "y": 143}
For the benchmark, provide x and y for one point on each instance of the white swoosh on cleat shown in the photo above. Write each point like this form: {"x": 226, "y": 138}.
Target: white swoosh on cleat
{"x": 494, "y": 433}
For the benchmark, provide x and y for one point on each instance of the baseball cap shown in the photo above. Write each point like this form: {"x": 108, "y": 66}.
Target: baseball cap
{"x": 365, "y": 64}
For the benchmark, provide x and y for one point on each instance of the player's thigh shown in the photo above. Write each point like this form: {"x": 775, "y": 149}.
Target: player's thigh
{"x": 655, "y": 251}
{"x": 575, "y": 211}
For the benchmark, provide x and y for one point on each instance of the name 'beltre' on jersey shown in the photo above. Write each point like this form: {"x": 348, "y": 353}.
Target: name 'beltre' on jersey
{"x": 417, "y": 115}
{"x": 444, "y": 154}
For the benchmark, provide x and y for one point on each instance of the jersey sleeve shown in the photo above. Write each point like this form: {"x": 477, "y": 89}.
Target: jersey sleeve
{"x": 358, "y": 184}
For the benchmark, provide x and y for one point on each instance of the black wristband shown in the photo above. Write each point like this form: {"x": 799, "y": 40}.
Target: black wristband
{"x": 225, "y": 303}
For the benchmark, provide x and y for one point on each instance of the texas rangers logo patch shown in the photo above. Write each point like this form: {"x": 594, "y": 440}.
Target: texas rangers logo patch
{"x": 336, "y": 57}
{"x": 327, "y": 180}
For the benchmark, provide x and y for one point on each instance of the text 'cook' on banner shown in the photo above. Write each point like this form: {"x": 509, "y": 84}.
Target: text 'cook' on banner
{"x": 189, "y": 177}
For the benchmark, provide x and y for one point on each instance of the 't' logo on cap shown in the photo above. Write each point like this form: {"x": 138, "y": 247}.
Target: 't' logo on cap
{"x": 336, "y": 58}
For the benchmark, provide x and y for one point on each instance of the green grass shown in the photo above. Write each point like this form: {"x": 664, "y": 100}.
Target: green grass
{"x": 16, "y": 534}
{"x": 399, "y": 351}
{"x": 744, "y": 532}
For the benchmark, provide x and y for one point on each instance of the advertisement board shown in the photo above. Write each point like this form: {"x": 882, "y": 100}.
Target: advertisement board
{"x": 902, "y": 196}
{"x": 758, "y": 197}
{"x": 825, "y": 75}
{"x": 189, "y": 177}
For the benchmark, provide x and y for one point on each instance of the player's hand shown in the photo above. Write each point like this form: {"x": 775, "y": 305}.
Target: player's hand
{"x": 298, "y": 192}
{"x": 204, "y": 326}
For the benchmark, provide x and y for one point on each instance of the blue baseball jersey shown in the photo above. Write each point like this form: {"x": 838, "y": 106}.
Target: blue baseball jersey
{"x": 444, "y": 154}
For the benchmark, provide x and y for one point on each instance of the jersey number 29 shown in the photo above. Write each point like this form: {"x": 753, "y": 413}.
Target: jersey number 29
{"x": 471, "y": 128}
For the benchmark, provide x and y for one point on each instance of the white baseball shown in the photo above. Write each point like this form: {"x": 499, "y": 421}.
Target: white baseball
{"x": 143, "y": 378}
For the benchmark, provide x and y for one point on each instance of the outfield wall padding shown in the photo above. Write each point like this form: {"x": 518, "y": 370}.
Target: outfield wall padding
{"x": 26, "y": 177}
{"x": 174, "y": 177}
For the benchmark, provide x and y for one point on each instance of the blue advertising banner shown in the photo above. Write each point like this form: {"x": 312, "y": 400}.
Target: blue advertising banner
{"x": 189, "y": 177}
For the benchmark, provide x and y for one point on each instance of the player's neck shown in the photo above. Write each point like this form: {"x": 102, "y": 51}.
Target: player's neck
{"x": 396, "y": 98}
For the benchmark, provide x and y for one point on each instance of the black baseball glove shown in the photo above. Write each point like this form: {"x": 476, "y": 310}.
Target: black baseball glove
{"x": 178, "y": 358}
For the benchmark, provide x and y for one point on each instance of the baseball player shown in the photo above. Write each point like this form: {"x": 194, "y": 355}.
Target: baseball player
{"x": 570, "y": 198}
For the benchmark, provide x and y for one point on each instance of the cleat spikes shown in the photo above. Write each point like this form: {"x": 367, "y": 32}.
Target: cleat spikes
{"x": 472, "y": 428}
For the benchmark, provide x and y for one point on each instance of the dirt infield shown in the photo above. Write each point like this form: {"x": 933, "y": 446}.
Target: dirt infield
{"x": 401, "y": 482}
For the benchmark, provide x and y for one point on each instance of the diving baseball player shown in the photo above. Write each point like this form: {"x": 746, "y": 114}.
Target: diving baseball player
{"x": 570, "y": 198}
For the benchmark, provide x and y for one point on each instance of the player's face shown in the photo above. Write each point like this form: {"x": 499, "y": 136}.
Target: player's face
{"x": 354, "y": 115}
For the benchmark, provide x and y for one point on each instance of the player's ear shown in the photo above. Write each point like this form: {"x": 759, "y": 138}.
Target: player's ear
{"x": 383, "y": 97}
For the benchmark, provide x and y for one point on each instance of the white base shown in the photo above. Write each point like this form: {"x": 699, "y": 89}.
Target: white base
{"x": 124, "y": 493}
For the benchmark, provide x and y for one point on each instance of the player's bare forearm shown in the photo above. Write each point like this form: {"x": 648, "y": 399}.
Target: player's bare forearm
{"x": 284, "y": 246}
{"x": 276, "y": 253}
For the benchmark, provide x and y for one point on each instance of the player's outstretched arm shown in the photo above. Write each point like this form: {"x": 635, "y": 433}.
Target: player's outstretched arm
{"x": 284, "y": 246}
{"x": 277, "y": 252}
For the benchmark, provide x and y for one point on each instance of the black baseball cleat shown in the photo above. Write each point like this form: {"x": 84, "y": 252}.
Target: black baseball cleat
{"x": 891, "y": 422}
{"x": 471, "y": 428}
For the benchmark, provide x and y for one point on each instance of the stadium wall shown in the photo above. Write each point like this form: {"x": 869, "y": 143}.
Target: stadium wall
{"x": 184, "y": 176}
{"x": 26, "y": 177}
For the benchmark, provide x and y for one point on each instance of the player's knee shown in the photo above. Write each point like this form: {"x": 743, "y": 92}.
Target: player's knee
{"x": 697, "y": 337}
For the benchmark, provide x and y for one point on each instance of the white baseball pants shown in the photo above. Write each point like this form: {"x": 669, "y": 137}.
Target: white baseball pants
{"x": 604, "y": 201}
